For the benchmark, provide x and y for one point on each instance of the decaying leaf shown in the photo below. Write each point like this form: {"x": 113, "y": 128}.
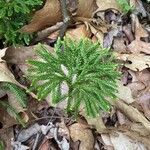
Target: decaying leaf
{"x": 97, "y": 34}
{"x": 6, "y": 120}
{"x": 136, "y": 88}
{"x": 5, "y": 73}
{"x": 132, "y": 113}
{"x": 122, "y": 142}
{"x": 7, "y": 76}
{"x": 107, "y": 4}
{"x": 79, "y": 32}
{"x": 135, "y": 62}
{"x": 81, "y": 132}
{"x": 97, "y": 123}
{"x": 107, "y": 142}
{"x": 49, "y": 15}
{"x": 6, "y": 136}
{"x": 144, "y": 101}
{"x": 138, "y": 46}
{"x": 124, "y": 93}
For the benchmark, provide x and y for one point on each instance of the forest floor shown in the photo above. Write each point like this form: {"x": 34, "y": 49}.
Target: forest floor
{"x": 126, "y": 31}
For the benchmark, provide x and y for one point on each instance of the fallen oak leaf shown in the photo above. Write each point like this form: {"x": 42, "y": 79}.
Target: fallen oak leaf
{"x": 138, "y": 46}
{"x": 135, "y": 62}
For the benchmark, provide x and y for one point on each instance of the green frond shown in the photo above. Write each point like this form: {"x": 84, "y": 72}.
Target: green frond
{"x": 18, "y": 92}
{"x": 2, "y": 147}
{"x": 89, "y": 71}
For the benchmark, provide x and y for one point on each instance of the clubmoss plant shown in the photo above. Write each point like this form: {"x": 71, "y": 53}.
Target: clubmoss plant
{"x": 89, "y": 71}
{"x": 13, "y": 15}
{"x": 2, "y": 147}
{"x": 125, "y": 6}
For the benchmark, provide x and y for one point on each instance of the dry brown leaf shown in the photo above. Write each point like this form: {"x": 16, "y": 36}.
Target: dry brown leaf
{"x": 19, "y": 55}
{"x": 119, "y": 45}
{"x": 63, "y": 129}
{"x": 124, "y": 93}
{"x": 7, "y": 76}
{"x": 107, "y": 142}
{"x": 138, "y": 7}
{"x": 138, "y": 46}
{"x": 136, "y": 88}
{"x": 135, "y": 62}
{"x": 45, "y": 144}
{"x": 86, "y": 8}
{"x": 6, "y": 136}
{"x": 6, "y": 120}
{"x": 50, "y": 14}
{"x": 143, "y": 76}
{"x": 81, "y": 132}
{"x": 137, "y": 127}
{"x": 122, "y": 119}
{"x": 144, "y": 101}
{"x": 132, "y": 113}
{"x": 97, "y": 123}
{"x": 123, "y": 142}
{"x": 79, "y": 32}
{"x": 97, "y": 34}
{"x": 107, "y": 4}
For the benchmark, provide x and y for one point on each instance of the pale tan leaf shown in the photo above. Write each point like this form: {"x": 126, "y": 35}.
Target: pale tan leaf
{"x": 124, "y": 93}
{"x": 123, "y": 142}
{"x": 2, "y": 53}
{"x": 135, "y": 62}
{"x": 79, "y": 131}
{"x": 97, "y": 123}
{"x": 6, "y": 75}
{"x": 107, "y": 4}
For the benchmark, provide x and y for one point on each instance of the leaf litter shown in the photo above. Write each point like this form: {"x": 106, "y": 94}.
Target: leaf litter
{"x": 127, "y": 126}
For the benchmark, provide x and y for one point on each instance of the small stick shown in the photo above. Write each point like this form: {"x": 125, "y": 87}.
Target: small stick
{"x": 66, "y": 18}
{"x": 46, "y": 32}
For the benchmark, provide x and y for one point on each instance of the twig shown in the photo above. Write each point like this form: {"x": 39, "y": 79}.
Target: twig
{"x": 66, "y": 18}
{"x": 44, "y": 33}
{"x": 36, "y": 141}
